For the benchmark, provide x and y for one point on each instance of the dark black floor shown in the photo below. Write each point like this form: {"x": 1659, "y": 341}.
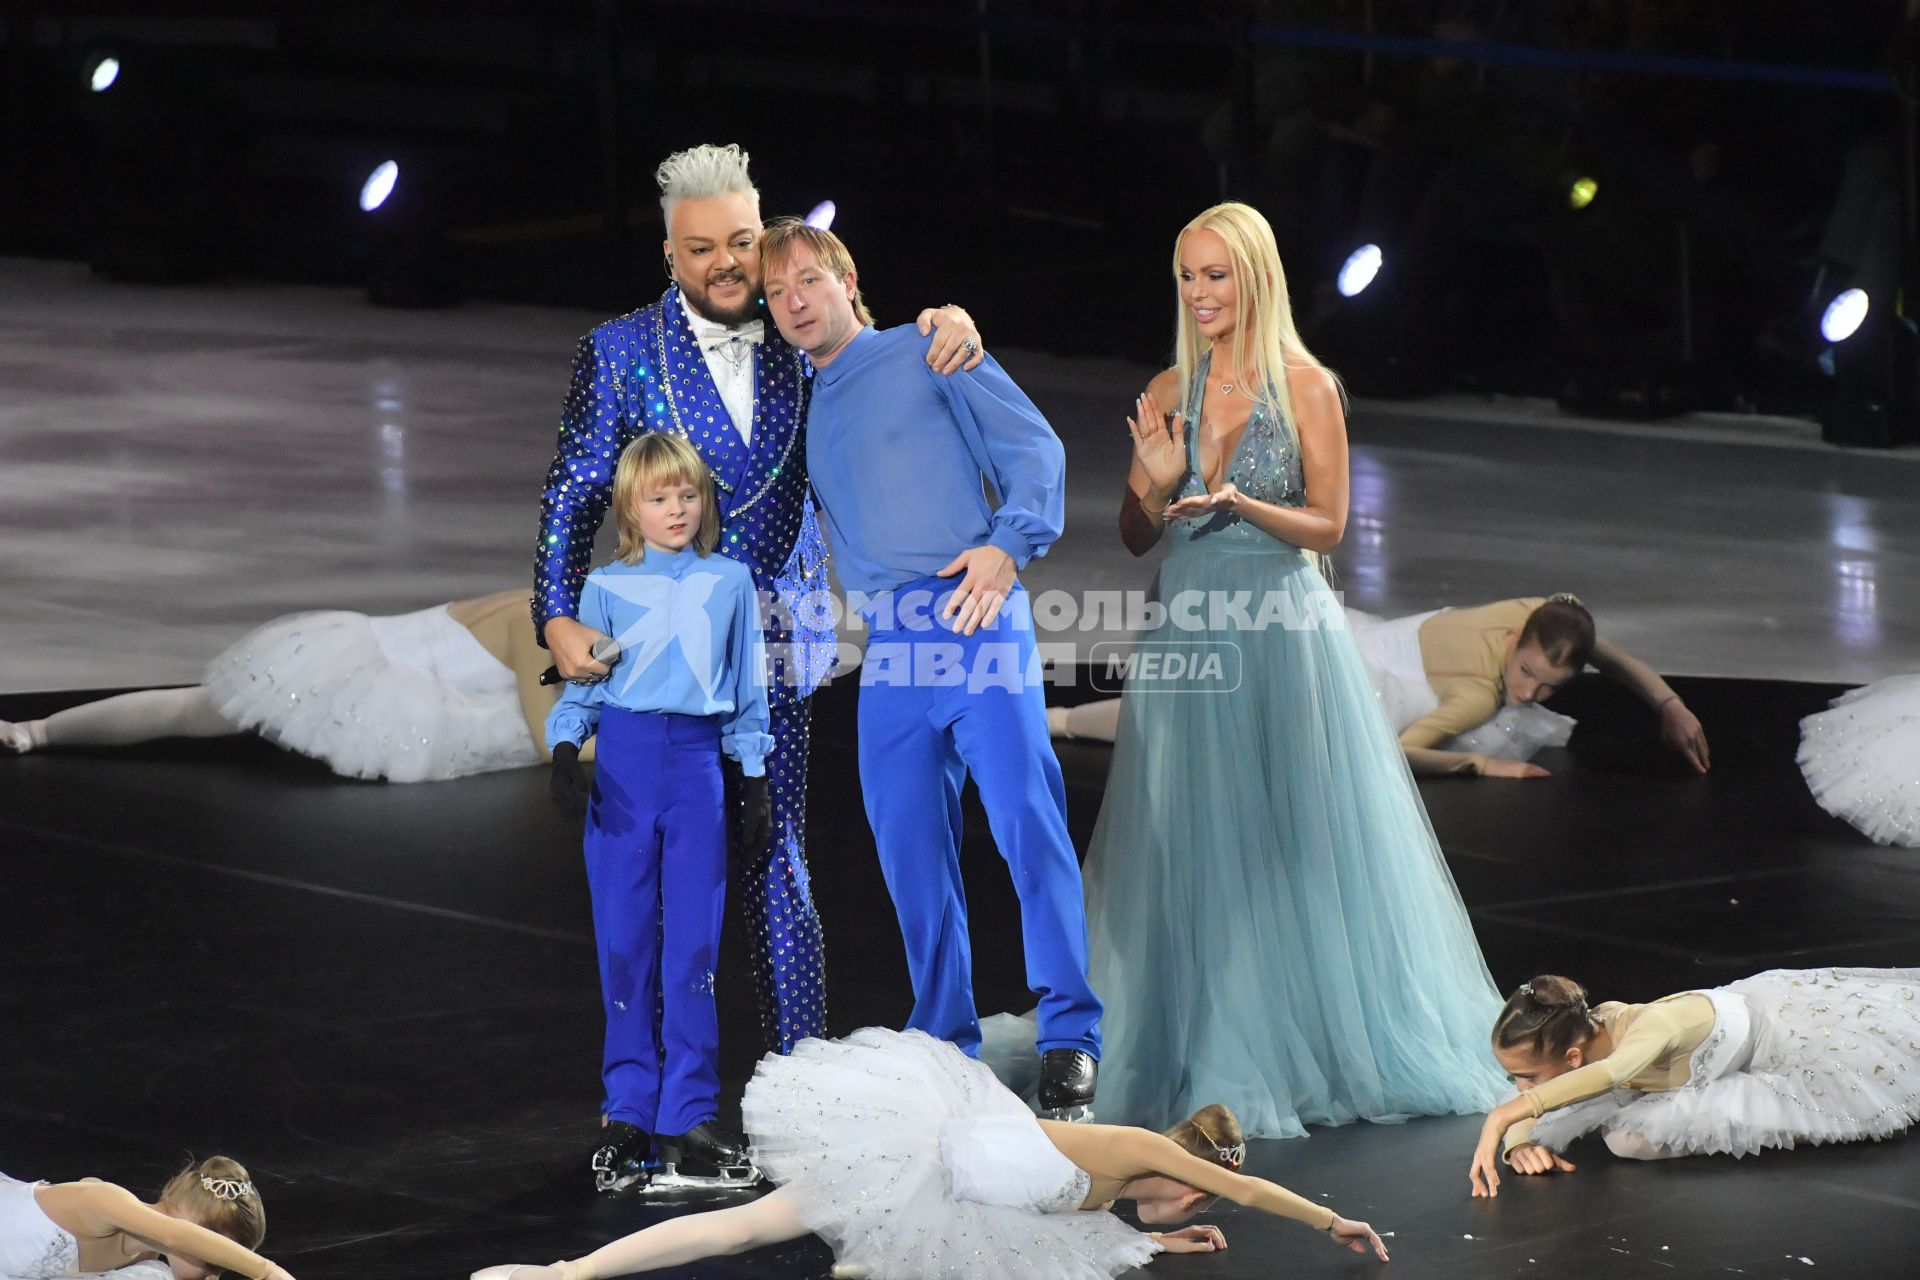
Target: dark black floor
{"x": 383, "y": 998}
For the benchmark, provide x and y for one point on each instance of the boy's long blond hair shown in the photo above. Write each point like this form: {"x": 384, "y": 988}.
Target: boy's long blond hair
{"x": 1265, "y": 343}
{"x": 656, "y": 458}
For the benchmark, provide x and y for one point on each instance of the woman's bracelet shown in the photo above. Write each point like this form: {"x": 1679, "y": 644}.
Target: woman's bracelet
{"x": 1161, "y": 514}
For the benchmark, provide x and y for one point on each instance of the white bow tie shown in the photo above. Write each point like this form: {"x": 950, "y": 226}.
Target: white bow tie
{"x": 712, "y": 336}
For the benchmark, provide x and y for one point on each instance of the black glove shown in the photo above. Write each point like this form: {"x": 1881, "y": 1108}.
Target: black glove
{"x": 567, "y": 785}
{"x": 753, "y": 819}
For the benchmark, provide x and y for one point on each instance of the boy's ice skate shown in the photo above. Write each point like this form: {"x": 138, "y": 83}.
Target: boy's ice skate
{"x": 620, "y": 1159}
{"x": 705, "y": 1157}
{"x": 1067, "y": 1081}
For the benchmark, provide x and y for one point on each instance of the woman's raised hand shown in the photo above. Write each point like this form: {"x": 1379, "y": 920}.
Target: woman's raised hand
{"x": 1162, "y": 454}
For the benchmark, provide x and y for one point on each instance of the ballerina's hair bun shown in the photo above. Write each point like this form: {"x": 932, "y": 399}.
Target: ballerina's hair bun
{"x": 218, "y": 1194}
{"x": 1550, "y": 991}
{"x": 1549, "y": 1014}
{"x": 1212, "y": 1133}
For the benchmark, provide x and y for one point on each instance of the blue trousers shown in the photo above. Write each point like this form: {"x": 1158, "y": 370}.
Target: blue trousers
{"x": 934, "y": 707}
{"x": 783, "y": 927}
{"x": 656, "y": 849}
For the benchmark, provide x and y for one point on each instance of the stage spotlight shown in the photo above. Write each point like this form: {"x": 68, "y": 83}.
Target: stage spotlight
{"x": 1582, "y": 193}
{"x": 1844, "y": 315}
{"x": 822, "y": 215}
{"x": 1361, "y": 266}
{"x": 378, "y": 186}
{"x": 103, "y": 73}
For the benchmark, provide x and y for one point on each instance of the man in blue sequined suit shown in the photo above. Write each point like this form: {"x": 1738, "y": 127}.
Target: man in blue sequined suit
{"x": 699, "y": 363}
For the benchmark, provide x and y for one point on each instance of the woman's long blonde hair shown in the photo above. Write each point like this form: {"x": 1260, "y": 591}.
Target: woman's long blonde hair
{"x": 1266, "y": 344}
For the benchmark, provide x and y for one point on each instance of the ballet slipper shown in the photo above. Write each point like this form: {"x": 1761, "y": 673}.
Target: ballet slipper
{"x": 23, "y": 736}
{"x": 522, "y": 1271}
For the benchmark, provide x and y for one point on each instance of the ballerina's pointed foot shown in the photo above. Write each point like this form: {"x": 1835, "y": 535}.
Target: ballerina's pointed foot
{"x": 519, "y": 1271}
{"x": 19, "y": 737}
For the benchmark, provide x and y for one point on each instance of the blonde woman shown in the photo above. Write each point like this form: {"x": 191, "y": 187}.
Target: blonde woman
{"x": 1273, "y": 925}
{"x": 207, "y": 1222}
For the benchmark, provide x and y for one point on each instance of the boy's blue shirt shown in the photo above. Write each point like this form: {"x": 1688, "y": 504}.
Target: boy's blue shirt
{"x": 691, "y": 644}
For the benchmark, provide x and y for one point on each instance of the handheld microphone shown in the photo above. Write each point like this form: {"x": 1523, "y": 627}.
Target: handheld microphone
{"x": 606, "y": 651}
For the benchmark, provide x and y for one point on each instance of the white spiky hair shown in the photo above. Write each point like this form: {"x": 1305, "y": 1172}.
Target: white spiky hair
{"x": 701, "y": 173}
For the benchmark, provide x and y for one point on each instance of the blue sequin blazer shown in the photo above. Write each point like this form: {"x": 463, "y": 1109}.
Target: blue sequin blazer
{"x": 644, "y": 372}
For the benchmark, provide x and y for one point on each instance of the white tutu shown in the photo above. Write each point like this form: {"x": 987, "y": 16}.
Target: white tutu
{"x": 412, "y": 698}
{"x": 1861, "y": 758}
{"x": 854, "y": 1129}
{"x": 1517, "y": 732}
{"x": 1795, "y": 1055}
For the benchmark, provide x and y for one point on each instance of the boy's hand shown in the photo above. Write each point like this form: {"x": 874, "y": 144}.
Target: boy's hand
{"x": 567, "y": 785}
{"x": 753, "y": 824}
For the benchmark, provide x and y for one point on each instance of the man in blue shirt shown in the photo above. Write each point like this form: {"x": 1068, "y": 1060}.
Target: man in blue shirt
{"x": 951, "y": 682}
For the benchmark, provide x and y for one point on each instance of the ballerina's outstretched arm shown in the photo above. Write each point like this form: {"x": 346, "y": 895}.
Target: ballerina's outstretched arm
{"x": 771, "y": 1219}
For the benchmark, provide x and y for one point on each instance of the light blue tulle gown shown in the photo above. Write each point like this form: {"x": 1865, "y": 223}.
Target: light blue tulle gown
{"x": 1272, "y": 923}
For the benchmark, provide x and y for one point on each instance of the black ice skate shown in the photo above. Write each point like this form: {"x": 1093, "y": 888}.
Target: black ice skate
{"x": 1067, "y": 1079}
{"x": 619, "y": 1161}
{"x": 705, "y": 1157}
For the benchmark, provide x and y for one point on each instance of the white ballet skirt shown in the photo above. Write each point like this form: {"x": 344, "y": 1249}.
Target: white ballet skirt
{"x": 1795, "y": 1055}
{"x": 1391, "y": 649}
{"x": 32, "y": 1247}
{"x": 913, "y": 1162}
{"x": 411, "y": 698}
{"x": 1861, "y": 759}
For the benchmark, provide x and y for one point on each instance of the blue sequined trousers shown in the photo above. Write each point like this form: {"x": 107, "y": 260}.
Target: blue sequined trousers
{"x": 644, "y": 372}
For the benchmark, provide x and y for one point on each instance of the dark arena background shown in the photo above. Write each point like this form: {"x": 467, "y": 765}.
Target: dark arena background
{"x": 1620, "y": 291}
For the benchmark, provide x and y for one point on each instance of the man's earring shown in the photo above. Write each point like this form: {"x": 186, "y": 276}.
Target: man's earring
{"x": 667, "y": 262}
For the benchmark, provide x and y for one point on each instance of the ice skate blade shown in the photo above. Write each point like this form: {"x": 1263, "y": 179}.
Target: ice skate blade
{"x": 1082, "y": 1114}
{"x": 671, "y": 1180}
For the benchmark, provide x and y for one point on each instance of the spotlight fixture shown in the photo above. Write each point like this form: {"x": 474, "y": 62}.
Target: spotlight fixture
{"x": 1361, "y": 266}
{"x": 379, "y": 185}
{"x": 1582, "y": 193}
{"x": 102, "y": 73}
{"x": 822, "y": 215}
{"x": 1844, "y": 315}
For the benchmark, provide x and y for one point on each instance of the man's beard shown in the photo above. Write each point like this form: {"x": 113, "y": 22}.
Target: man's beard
{"x": 703, "y": 304}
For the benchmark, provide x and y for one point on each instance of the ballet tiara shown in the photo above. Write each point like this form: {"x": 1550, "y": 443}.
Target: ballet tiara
{"x": 1564, "y": 597}
{"x": 226, "y": 1188}
{"x": 1233, "y": 1156}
